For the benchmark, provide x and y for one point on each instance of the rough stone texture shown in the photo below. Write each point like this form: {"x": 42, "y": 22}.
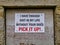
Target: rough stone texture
{"x": 1, "y": 26}
{"x": 29, "y": 2}
{"x": 57, "y": 26}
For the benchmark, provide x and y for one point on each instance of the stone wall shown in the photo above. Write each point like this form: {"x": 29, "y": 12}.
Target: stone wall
{"x": 57, "y": 25}
{"x": 30, "y": 3}
{"x": 2, "y": 29}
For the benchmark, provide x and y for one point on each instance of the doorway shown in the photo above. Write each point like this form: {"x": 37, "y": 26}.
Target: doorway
{"x": 41, "y": 38}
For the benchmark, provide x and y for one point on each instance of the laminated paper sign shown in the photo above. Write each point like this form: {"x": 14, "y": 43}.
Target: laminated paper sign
{"x": 29, "y": 22}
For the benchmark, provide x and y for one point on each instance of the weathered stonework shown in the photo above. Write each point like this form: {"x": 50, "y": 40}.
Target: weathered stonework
{"x": 57, "y": 26}
{"x": 29, "y": 2}
{"x": 9, "y": 3}
{"x": 2, "y": 26}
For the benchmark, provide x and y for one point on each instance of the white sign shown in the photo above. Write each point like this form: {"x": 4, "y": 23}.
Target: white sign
{"x": 29, "y": 22}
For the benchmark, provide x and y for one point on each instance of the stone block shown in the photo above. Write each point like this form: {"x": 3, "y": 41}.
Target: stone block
{"x": 57, "y": 26}
{"x": 2, "y": 27}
